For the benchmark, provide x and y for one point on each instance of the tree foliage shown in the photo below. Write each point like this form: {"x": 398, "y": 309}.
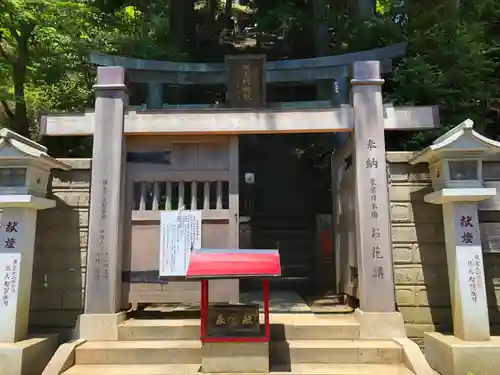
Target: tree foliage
{"x": 452, "y": 59}
{"x": 35, "y": 38}
{"x": 451, "y": 62}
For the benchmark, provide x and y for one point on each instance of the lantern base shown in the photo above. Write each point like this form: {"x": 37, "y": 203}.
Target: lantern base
{"x": 449, "y": 355}
{"x": 27, "y": 357}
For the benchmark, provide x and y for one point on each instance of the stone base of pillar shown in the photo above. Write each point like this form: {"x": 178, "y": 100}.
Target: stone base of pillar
{"x": 235, "y": 357}
{"x": 27, "y": 357}
{"x": 450, "y": 355}
{"x": 375, "y": 325}
{"x": 99, "y": 327}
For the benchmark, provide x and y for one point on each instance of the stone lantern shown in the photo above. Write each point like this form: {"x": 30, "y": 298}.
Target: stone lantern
{"x": 24, "y": 174}
{"x": 455, "y": 162}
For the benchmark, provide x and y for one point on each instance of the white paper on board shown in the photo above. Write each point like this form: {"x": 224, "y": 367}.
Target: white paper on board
{"x": 180, "y": 234}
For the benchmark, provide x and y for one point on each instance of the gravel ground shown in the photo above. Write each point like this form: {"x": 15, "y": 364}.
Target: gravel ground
{"x": 419, "y": 341}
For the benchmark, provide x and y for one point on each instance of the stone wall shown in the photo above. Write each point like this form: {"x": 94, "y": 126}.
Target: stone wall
{"x": 57, "y": 294}
{"x": 418, "y": 246}
{"x": 420, "y": 269}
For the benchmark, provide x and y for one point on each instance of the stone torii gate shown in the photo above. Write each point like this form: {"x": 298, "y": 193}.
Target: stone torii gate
{"x": 152, "y": 80}
{"x": 367, "y": 118}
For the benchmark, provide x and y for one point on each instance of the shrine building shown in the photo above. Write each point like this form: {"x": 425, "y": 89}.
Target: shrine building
{"x": 193, "y": 241}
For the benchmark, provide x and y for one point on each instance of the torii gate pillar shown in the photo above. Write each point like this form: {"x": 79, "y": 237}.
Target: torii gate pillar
{"x": 373, "y": 226}
{"x": 103, "y": 287}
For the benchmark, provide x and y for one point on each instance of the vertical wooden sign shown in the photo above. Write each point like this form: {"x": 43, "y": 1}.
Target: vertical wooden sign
{"x": 246, "y": 81}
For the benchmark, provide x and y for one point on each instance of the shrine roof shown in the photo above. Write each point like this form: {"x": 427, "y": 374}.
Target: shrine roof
{"x": 237, "y": 263}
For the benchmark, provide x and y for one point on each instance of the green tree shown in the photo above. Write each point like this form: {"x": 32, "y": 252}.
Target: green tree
{"x": 449, "y": 63}
{"x": 30, "y": 32}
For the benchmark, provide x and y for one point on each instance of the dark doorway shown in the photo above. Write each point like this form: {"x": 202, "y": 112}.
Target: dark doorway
{"x": 279, "y": 207}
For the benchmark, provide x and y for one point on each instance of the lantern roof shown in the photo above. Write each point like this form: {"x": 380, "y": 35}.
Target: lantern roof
{"x": 14, "y": 146}
{"x": 460, "y": 142}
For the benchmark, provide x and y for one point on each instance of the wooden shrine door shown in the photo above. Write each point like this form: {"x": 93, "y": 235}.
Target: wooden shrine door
{"x": 168, "y": 173}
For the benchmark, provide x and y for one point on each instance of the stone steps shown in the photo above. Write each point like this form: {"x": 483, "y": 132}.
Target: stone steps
{"x": 283, "y": 327}
{"x": 183, "y": 369}
{"x": 301, "y": 343}
{"x": 335, "y": 351}
{"x": 133, "y": 369}
{"x": 159, "y": 329}
{"x": 152, "y": 352}
{"x": 139, "y": 352}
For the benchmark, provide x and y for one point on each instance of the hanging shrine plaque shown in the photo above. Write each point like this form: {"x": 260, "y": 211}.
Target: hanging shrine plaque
{"x": 245, "y": 81}
{"x": 180, "y": 235}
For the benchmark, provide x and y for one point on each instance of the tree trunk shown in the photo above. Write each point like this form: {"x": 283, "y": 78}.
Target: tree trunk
{"x": 190, "y": 25}
{"x": 321, "y": 42}
{"x": 366, "y": 8}
{"x": 20, "y": 122}
{"x": 228, "y": 12}
{"x": 177, "y": 32}
{"x": 212, "y": 6}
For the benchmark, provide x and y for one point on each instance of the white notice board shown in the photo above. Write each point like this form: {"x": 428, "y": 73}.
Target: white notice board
{"x": 180, "y": 234}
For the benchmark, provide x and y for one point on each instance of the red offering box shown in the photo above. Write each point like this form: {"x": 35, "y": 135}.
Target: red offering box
{"x": 208, "y": 264}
